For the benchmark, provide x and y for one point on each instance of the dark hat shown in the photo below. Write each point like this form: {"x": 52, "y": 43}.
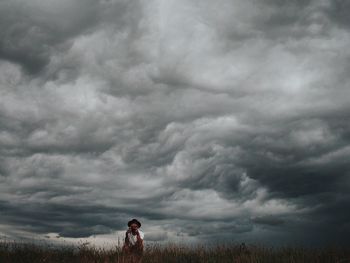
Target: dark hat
{"x": 134, "y": 221}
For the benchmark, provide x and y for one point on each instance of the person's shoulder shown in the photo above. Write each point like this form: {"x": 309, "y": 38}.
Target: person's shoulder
{"x": 141, "y": 233}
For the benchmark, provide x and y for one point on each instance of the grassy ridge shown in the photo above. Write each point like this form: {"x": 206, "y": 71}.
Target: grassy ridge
{"x": 30, "y": 253}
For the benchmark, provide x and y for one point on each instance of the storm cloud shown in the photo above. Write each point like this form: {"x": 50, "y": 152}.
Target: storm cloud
{"x": 207, "y": 121}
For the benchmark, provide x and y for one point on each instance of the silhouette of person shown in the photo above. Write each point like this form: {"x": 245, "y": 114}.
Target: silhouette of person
{"x": 133, "y": 244}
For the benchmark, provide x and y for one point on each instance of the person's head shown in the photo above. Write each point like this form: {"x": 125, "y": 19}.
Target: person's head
{"x": 134, "y": 227}
{"x": 134, "y": 224}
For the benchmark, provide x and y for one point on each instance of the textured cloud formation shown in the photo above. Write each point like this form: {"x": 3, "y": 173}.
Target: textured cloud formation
{"x": 205, "y": 120}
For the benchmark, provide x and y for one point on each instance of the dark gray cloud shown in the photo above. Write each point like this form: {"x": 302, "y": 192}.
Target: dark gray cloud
{"x": 31, "y": 31}
{"x": 66, "y": 220}
{"x": 206, "y": 121}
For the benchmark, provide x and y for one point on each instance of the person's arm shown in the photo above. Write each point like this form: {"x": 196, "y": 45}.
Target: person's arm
{"x": 139, "y": 241}
{"x": 126, "y": 240}
{"x": 126, "y": 246}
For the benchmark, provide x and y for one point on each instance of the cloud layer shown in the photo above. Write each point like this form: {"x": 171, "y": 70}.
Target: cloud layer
{"x": 206, "y": 121}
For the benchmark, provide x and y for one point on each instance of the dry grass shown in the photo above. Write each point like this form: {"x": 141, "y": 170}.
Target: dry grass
{"x": 30, "y": 253}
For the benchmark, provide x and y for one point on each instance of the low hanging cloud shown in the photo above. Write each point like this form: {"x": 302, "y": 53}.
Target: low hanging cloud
{"x": 206, "y": 121}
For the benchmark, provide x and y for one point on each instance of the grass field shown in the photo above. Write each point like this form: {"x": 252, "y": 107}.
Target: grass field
{"x": 30, "y": 253}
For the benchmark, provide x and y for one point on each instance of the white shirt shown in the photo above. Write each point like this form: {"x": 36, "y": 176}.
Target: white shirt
{"x": 133, "y": 238}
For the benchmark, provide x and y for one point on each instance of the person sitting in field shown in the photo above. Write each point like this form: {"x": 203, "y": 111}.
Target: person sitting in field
{"x": 133, "y": 244}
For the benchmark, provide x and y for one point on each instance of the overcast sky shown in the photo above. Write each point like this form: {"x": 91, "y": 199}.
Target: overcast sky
{"x": 206, "y": 120}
